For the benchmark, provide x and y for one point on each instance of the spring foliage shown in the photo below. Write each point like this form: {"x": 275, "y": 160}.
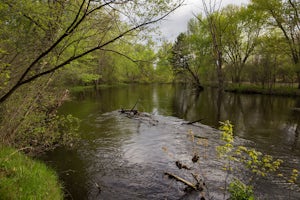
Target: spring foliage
{"x": 240, "y": 158}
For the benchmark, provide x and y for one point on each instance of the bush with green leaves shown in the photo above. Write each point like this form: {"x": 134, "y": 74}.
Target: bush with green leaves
{"x": 240, "y": 191}
{"x": 35, "y": 122}
{"x": 241, "y": 158}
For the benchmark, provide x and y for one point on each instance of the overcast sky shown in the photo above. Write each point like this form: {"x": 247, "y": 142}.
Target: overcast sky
{"x": 177, "y": 21}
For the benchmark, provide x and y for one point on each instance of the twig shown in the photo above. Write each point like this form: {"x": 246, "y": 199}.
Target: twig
{"x": 200, "y": 137}
{"x": 134, "y": 105}
{"x": 195, "y": 177}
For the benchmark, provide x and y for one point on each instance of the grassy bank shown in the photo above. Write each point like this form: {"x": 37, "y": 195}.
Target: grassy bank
{"x": 254, "y": 89}
{"x": 24, "y": 178}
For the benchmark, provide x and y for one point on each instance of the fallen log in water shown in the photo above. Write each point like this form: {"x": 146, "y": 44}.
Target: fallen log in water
{"x": 193, "y": 122}
{"x": 187, "y": 183}
{"x": 141, "y": 116}
{"x": 199, "y": 187}
{"x": 129, "y": 111}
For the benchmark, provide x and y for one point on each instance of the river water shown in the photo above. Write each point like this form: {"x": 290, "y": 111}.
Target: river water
{"x": 127, "y": 157}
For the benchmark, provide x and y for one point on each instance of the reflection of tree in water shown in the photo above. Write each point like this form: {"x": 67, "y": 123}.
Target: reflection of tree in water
{"x": 184, "y": 102}
{"x": 261, "y": 118}
{"x": 296, "y": 121}
{"x": 297, "y": 132}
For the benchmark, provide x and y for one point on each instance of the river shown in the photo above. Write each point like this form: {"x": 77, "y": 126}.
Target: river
{"x": 127, "y": 158}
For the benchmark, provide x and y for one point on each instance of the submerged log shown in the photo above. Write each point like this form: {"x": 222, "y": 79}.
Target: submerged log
{"x": 187, "y": 183}
{"x": 199, "y": 120}
{"x": 140, "y": 116}
{"x": 193, "y": 122}
{"x": 129, "y": 111}
{"x": 193, "y": 191}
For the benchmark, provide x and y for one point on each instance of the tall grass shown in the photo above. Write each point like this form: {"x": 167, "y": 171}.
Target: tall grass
{"x": 22, "y": 178}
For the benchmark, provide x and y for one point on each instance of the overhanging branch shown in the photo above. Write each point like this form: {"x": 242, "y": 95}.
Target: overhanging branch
{"x": 71, "y": 28}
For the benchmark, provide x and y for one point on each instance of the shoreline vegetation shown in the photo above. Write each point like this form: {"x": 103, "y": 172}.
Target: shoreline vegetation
{"x": 278, "y": 90}
{"x": 257, "y": 89}
{"x": 24, "y": 178}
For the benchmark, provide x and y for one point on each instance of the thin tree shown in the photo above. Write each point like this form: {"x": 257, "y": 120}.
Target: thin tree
{"x": 285, "y": 15}
{"x": 213, "y": 17}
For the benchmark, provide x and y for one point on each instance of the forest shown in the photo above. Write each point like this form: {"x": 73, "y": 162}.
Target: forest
{"x": 49, "y": 47}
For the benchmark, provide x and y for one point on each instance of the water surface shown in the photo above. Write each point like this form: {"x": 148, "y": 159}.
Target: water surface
{"x": 128, "y": 157}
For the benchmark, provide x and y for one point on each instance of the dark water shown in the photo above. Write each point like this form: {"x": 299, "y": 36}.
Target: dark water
{"x": 128, "y": 158}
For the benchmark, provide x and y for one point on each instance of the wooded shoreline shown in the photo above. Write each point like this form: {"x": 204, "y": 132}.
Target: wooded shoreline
{"x": 255, "y": 89}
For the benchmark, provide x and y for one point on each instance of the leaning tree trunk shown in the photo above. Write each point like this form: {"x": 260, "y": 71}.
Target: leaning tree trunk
{"x": 196, "y": 79}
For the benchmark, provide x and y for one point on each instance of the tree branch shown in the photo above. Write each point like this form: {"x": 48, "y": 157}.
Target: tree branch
{"x": 68, "y": 31}
{"x": 71, "y": 28}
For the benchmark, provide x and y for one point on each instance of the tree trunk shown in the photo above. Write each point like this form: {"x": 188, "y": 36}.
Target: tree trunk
{"x": 219, "y": 71}
{"x": 196, "y": 79}
{"x": 298, "y": 77}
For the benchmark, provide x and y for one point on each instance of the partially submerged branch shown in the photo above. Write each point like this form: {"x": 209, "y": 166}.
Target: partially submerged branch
{"x": 187, "y": 183}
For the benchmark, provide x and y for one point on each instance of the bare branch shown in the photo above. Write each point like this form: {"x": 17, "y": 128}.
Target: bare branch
{"x": 121, "y": 54}
{"x": 76, "y": 17}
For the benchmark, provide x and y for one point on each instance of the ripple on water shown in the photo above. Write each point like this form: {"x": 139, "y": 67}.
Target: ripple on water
{"x": 128, "y": 158}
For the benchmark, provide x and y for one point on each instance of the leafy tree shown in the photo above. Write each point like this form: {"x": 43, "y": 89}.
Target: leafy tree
{"x": 74, "y": 37}
{"x": 163, "y": 71}
{"x": 270, "y": 60}
{"x": 244, "y": 26}
{"x": 216, "y": 27}
{"x": 40, "y": 38}
{"x": 182, "y": 61}
{"x": 200, "y": 44}
{"x": 284, "y": 14}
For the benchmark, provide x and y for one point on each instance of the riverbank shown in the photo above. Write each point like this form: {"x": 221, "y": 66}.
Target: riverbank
{"x": 24, "y": 178}
{"x": 234, "y": 88}
{"x": 100, "y": 86}
{"x": 255, "y": 89}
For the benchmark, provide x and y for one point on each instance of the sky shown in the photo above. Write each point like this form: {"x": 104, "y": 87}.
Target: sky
{"x": 176, "y": 23}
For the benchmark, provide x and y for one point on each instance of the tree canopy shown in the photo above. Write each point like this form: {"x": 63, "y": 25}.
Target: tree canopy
{"x": 48, "y": 45}
{"x": 257, "y": 43}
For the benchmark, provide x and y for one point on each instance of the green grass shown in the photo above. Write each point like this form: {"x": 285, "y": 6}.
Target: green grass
{"x": 22, "y": 178}
{"x": 255, "y": 89}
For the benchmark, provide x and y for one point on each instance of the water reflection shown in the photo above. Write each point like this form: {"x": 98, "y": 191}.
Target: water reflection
{"x": 109, "y": 148}
{"x": 266, "y": 120}
{"x": 71, "y": 168}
